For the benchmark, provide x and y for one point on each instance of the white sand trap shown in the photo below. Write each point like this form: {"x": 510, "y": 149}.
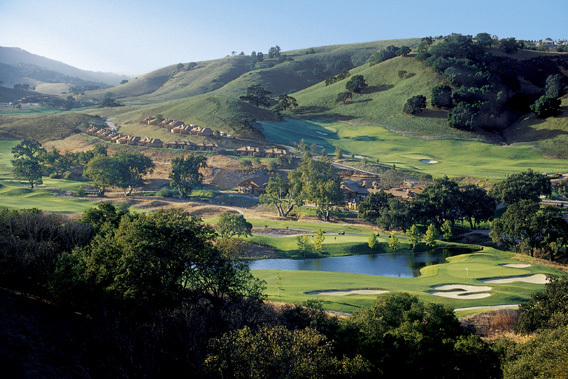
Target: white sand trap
{"x": 517, "y": 265}
{"x": 462, "y": 291}
{"x": 534, "y": 279}
{"x": 429, "y": 161}
{"x": 504, "y": 306}
{"x": 348, "y": 292}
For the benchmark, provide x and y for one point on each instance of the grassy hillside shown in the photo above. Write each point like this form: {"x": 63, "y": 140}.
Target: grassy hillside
{"x": 232, "y": 75}
{"x": 381, "y": 103}
{"x": 549, "y": 135}
{"x": 42, "y": 128}
{"x": 453, "y": 157}
{"x": 215, "y": 112}
{"x": 172, "y": 83}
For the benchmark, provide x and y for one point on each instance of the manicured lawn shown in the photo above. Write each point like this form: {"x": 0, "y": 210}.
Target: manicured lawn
{"x": 454, "y": 157}
{"x": 482, "y": 265}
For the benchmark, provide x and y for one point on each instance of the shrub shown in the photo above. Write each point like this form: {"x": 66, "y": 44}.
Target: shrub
{"x": 546, "y": 106}
{"x": 442, "y": 96}
{"x": 166, "y": 192}
{"x": 415, "y": 104}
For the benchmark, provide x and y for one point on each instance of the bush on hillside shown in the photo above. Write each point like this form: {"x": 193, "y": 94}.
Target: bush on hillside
{"x": 415, "y": 105}
{"x": 546, "y": 106}
{"x": 442, "y": 96}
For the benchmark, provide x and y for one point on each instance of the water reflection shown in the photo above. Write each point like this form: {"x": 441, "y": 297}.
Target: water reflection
{"x": 400, "y": 265}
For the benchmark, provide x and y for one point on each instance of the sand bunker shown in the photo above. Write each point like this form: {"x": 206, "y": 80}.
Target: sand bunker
{"x": 347, "y": 292}
{"x": 517, "y": 265}
{"x": 534, "y": 279}
{"x": 462, "y": 291}
{"x": 429, "y": 161}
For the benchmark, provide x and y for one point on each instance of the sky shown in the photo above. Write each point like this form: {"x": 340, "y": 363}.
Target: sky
{"x": 138, "y": 36}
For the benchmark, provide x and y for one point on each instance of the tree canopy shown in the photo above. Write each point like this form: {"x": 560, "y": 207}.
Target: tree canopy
{"x": 137, "y": 165}
{"x": 257, "y": 95}
{"x": 186, "y": 174}
{"x": 526, "y": 185}
{"x": 153, "y": 260}
{"x": 105, "y": 172}
{"x": 230, "y": 225}
{"x": 356, "y": 84}
{"x": 319, "y": 183}
{"x": 284, "y": 195}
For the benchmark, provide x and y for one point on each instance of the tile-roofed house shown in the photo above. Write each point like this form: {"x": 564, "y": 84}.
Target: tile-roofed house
{"x": 254, "y": 185}
{"x": 150, "y": 120}
{"x": 250, "y": 151}
{"x": 275, "y": 152}
{"x": 206, "y": 146}
{"x": 201, "y": 131}
{"x": 151, "y": 142}
{"x": 354, "y": 191}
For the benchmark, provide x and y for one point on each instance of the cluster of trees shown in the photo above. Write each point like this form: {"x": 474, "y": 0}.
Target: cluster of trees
{"x": 307, "y": 245}
{"x": 388, "y": 53}
{"x": 334, "y": 79}
{"x": 32, "y": 162}
{"x": 441, "y": 202}
{"x": 124, "y": 169}
{"x": 356, "y": 84}
{"x": 525, "y": 225}
{"x": 487, "y": 89}
{"x": 257, "y": 95}
{"x": 109, "y": 101}
{"x": 544, "y": 356}
{"x": 24, "y": 87}
{"x": 163, "y": 299}
{"x": 549, "y": 103}
{"x": 259, "y": 57}
{"x": 55, "y": 102}
{"x": 314, "y": 181}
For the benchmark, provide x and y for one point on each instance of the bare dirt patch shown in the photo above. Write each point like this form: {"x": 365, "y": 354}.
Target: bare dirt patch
{"x": 279, "y": 232}
{"x": 493, "y": 324}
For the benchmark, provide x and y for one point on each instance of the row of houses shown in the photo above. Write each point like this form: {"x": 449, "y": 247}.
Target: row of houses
{"x": 260, "y": 152}
{"x": 179, "y": 127}
{"x": 121, "y": 139}
{"x": 115, "y": 137}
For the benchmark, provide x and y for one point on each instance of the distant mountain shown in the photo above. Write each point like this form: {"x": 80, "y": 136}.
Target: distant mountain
{"x": 18, "y": 66}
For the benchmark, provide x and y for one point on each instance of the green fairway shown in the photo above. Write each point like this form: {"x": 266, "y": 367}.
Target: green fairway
{"x": 20, "y": 198}
{"x": 453, "y": 157}
{"x": 295, "y": 285}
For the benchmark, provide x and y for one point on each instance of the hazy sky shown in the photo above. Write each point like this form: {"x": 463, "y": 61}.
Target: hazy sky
{"x": 129, "y": 36}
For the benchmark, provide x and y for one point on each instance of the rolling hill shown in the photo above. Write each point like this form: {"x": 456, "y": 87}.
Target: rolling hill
{"x": 207, "y": 93}
{"x": 18, "y": 66}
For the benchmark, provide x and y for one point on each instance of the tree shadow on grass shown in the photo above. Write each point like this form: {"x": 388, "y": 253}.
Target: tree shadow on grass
{"x": 434, "y": 113}
{"x": 363, "y": 138}
{"x": 381, "y": 88}
{"x": 309, "y": 110}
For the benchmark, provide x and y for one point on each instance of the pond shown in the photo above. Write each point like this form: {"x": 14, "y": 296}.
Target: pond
{"x": 400, "y": 265}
